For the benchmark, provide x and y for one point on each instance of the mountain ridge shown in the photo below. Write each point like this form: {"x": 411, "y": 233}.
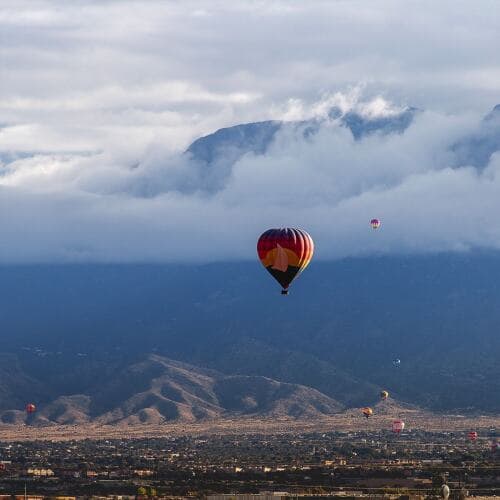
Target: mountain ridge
{"x": 157, "y": 390}
{"x": 338, "y": 330}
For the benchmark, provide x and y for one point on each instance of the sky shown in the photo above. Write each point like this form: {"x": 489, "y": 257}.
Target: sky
{"x": 99, "y": 100}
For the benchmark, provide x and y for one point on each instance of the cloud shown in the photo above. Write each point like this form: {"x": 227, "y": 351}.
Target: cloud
{"x": 99, "y": 99}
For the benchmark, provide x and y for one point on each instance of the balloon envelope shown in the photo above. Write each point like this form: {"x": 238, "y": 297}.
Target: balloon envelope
{"x": 445, "y": 491}
{"x": 30, "y": 408}
{"x": 375, "y": 223}
{"x": 398, "y": 426}
{"x": 384, "y": 395}
{"x": 472, "y": 435}
{"x": 285, "y": 253}
{"x": 367, "y": 412}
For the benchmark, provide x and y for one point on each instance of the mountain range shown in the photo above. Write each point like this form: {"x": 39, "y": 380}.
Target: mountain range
{"x": 66, "y": 329}
{"x": 97, "y": 341}
{"x": 156, "y": 389}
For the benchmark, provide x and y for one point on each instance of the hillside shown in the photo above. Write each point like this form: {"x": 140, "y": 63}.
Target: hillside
{"x": 338, "y": 331}
{"x": 157, "y": 390}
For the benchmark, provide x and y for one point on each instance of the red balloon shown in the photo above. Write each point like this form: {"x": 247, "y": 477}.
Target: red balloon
{"x": 472, "y": 435}
{"x": 285, "y": 253}
{"x": 30, "y": 408}
{"x": 398, "y": 426}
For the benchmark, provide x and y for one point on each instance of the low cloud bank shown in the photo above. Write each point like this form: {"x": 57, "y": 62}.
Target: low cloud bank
{"x": 107, "y": 206}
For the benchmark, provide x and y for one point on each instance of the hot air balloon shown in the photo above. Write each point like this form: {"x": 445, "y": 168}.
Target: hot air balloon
{"x": 494, "y": 445}
{"x": 398, "y": 426}
{"x": 472, "y": 436}
{"x": 384, "y": 395}
{"x": 445, "y": 491}
{"x": 30, "y": 408}
{"x": 375, "y": 223}
{"x": 367, "y": 412}
{"x": 396, "y": 362}
{"x": 285, "y": 253}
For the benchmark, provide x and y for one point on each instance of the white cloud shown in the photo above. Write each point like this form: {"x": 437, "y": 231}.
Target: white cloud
{"x": 103, "y": 97}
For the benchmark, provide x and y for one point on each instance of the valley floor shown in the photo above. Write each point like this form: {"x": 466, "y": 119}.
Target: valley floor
{"x": 415, "y": 420}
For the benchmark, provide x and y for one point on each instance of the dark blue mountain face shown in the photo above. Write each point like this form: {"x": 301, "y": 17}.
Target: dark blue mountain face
{"x": 338, "y": 331}
{"x": 254, "y": 137}
{"x": 361, "y": 126}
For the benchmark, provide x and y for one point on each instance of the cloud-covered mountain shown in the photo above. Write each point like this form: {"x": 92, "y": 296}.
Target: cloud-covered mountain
{"x": 219, "y": 151}
{"x": 94, "y": 120}
{"x": 366, "y": 158}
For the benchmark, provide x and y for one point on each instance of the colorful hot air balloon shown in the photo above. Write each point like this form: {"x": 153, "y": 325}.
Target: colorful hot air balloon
{"x": 398, "y": 426}
{"x": 367, "y": 412}
{"x": 285, "y": 253}
{"x": 384, "y": 395}
{"x": 30, "y": 408}
{"x": 472, "y": 436}
{"x": 375, "y": 223}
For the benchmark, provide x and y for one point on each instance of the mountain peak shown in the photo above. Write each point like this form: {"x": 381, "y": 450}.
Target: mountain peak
{"x": 214, "y": 155}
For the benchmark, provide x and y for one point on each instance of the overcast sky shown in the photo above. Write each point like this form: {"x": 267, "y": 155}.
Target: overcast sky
{"x": 99, "y": 98}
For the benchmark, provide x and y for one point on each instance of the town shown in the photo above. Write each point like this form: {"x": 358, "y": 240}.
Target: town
{"x": 371, "y": 464}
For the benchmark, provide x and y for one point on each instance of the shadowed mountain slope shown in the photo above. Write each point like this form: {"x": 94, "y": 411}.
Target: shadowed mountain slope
{"x": 157, "y": 389}
{"x": 338, "y": 330}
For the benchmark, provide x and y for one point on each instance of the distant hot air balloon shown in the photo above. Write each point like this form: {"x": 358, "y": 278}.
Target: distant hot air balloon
{"x": 285, "y": 253}
{"x": 375, "y": 223}
{"x": 398, "y": 426}
{"x": 384, "y": 395}
{"x": 445, "y": 491}
{"x": 396, "y": 362}
{"x": 30, "y": 408}
{"x": 367, "y": 412}
{"x": 472, "y": 436}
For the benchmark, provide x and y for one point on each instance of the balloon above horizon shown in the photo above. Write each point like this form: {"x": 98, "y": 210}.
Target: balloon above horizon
{"x": 285, "y": 253}
{"x": 375, "y": 223}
